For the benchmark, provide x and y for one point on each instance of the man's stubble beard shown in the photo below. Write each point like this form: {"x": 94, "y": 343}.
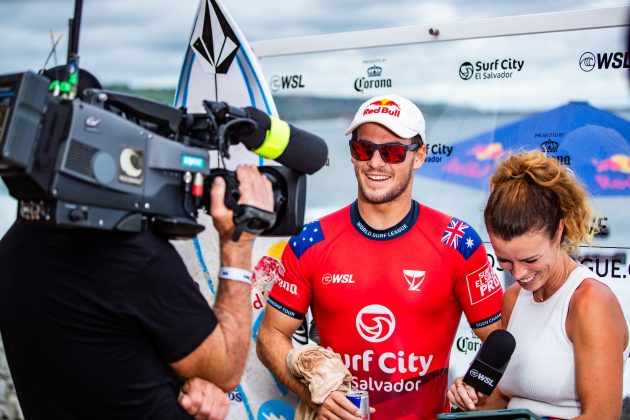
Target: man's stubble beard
{"x": 388, "y": 196}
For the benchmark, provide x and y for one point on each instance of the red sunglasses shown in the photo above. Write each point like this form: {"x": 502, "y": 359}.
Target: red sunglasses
{"x": 390, "y": 152}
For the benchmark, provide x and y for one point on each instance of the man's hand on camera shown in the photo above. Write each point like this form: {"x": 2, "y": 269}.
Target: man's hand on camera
{"x": 255, "y": 190}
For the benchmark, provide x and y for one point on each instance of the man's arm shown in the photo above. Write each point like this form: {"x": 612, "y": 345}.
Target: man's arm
{"x": 273, "y": 345}
{"x": 483, "y": 332}
{"x": 221, "y": 357}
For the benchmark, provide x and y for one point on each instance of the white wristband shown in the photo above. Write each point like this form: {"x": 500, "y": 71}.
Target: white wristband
{"x": 238, "y": 274}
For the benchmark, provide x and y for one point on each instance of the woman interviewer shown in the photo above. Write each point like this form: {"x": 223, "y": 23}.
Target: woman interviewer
{"x": 571, "y": 334}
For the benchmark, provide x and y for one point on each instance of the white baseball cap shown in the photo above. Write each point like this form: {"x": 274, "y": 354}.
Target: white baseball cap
{"x": 394, "y": 112}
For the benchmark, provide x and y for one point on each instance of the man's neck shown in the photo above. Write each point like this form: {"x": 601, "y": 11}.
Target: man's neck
{"x": 385, "y": 215}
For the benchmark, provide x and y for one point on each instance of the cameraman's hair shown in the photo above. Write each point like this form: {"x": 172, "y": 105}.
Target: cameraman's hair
{"x": 530, "y": 192}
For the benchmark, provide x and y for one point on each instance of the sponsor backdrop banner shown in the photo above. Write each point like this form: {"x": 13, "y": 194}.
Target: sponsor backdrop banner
{"x": 563, "y": 93}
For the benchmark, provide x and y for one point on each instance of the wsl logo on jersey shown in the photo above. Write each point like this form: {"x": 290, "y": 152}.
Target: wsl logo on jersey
{"x": 337, "y": 279}
{"x": 462, "y": 237}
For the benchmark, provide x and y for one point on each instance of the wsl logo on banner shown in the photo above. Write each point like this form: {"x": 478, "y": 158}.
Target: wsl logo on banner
{"x": 489, "y": 70}
{"x": 292, "y": 81}
{"x": 373, "y": 80}
{"x": 604, "y": 61}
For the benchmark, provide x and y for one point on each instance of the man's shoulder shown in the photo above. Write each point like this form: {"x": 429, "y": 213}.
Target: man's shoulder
{"x": 439, "y": 220}
{"x": 451, "y": 231}
{"x": 319, "y": 231}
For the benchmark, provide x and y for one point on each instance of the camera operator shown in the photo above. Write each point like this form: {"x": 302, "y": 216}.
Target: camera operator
{"x": 101, "y": 324}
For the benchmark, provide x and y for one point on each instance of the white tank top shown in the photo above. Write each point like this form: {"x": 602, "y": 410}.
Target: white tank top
{"x": 541, "y": 374}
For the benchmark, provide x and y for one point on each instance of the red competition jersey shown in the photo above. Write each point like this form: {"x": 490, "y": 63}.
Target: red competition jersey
{"x": 389, "y": 302}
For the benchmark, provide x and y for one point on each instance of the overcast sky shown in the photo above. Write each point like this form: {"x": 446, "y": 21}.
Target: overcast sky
{"x": 141, "y": 42}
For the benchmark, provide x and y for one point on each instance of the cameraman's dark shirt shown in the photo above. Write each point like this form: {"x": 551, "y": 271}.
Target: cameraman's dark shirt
{"x": 90, "y": 321}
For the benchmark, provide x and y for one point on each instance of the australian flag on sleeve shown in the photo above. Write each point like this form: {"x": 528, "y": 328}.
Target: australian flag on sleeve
{"x": 462, "y": 237}
{"x": 310, "y": 235}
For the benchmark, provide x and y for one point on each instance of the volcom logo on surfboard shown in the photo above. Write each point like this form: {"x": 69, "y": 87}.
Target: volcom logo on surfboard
{"x": 213, "y": 40}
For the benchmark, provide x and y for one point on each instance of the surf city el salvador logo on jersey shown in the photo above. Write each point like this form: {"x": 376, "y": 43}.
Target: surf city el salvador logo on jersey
{"x": 376, "y": 323}
{"x": 213, "y": 39}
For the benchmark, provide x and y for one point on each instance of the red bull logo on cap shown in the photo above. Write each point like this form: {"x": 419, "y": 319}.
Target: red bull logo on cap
{"x": 383, "y": 106}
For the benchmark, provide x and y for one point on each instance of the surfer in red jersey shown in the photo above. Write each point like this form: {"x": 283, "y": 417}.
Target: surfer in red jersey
{"x": 386, "y": 278}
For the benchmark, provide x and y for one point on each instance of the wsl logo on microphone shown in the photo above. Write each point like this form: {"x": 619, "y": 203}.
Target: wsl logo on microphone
{"x": 474, "y": 373}
{"x": 604, "y": 61}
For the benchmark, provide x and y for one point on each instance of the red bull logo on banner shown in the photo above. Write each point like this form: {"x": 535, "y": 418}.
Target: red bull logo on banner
{"x": 384, "y": 106}
{"x": 613, "y": 173}
{"x": 491, "y": 151}
{"x": 482, "y": 165}
{"x": 615, "y": 163}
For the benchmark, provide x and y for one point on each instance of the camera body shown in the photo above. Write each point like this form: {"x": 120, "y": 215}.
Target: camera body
{"x": 119, "y": 162}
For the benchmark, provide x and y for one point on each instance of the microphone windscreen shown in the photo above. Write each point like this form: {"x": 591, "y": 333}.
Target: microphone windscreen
{"x": 305, "y": 152}
{"x": 497, "y": 350}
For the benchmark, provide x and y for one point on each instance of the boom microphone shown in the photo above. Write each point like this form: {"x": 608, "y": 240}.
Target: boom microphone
{"x": 275, "y": 139}
{"x": 490, "y": 362}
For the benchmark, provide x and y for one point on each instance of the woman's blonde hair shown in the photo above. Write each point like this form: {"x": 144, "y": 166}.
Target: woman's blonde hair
{"x": 530, "y": 191}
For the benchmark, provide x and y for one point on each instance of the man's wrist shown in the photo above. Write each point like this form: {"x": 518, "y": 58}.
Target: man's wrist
{"x": 236, "y": 254}
{"x": 236, "y": 274}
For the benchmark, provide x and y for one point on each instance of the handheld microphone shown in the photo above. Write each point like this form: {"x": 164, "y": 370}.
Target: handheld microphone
{"x": 487, "y": 368}
{"x": 276, "y": 139}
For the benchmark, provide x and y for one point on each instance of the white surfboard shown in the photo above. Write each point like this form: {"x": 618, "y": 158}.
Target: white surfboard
{"x": 219, "y": 65}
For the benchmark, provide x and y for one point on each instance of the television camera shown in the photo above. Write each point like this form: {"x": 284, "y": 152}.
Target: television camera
{"x": 114, "y": 161}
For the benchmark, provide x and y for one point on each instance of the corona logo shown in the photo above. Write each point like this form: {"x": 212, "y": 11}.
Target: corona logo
{"x": 549, "y": 146}
{"x": 374, "y": 71}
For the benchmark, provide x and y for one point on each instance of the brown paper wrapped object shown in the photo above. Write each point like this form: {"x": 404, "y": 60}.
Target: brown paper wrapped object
{"x": 322, "y": 371}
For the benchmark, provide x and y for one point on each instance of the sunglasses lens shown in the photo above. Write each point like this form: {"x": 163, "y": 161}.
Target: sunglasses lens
{"x": 392, "y": 153}
{"x": 361, "y": 150}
